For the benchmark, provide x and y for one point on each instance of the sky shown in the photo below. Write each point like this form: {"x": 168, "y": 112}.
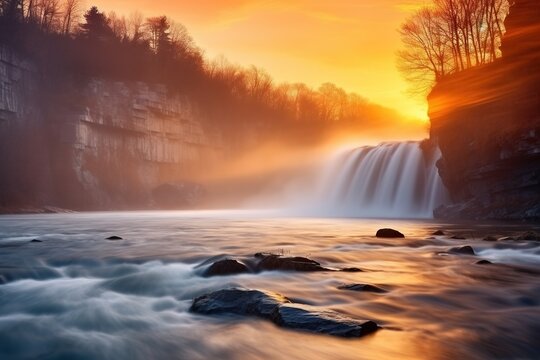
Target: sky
{"x": 351, "y": 43}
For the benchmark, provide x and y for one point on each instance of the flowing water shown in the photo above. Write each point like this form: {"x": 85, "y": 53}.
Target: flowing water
{"x": 397, "y": 180}
{"x": 76, "y": 295}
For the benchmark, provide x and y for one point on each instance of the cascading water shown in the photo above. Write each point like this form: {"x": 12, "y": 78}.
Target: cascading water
{"x": 391, "y": 180}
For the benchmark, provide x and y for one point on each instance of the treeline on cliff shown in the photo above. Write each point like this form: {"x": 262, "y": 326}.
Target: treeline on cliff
{"x": 444, "y": 37}
{"x": 68, "y": 43}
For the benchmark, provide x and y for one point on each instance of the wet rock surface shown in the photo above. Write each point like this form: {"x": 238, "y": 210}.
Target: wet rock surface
{"x": 264, "y": 262}
{"x": 226, "y": 267}
{"x": 281, "y": 311}
{"x": 389, "y": 233}
{"x": 483, "y": 262}
{"x": 296, "y": 263}
{"x": 438, "y": 233}
{"x": 362, "y": 287}
{"x": 463, "y": 250}
{"x": 114, "y": 237}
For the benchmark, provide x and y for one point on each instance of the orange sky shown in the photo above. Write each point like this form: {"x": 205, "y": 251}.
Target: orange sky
{"x": 351, "y": 43}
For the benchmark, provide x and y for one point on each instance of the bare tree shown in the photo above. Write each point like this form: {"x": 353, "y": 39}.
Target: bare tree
{"x": 450, "y": 36}
{"x": 71, "y": 14}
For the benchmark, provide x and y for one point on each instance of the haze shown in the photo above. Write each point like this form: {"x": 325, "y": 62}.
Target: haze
{"x": 350, "y": 43}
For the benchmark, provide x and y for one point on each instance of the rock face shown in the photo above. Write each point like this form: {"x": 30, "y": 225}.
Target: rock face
{"x": 281, "y": 311}
{"x": 96, "y": 144}
{"x": 486, "y": 121}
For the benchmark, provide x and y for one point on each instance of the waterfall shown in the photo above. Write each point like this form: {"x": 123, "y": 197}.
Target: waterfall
{"x": 391, "y": 180}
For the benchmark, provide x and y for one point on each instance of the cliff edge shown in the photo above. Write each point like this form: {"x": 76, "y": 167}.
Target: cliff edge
{"x": 486, "y": 121}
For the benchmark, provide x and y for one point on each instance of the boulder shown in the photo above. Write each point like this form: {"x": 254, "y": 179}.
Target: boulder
{"x": 296, "y": 263}
{"x": 438, "y": 233}
{"x": 351, "y": 269}
{"x": 465, "y": 250}
{"x": 226, "y": 267}
{"x": 114, "y": 237}
{"x": 362, "y": 287}
{"x": 389, "y": 233}
{"x": 457, "y": 237}
{"x": 281, "y": 311}
{"x": 35, "y": 241}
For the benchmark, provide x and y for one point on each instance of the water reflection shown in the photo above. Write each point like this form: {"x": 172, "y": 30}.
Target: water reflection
{"x": 77, "y": 295}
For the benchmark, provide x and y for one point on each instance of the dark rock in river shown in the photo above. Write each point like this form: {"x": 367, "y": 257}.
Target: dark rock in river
{"x": 483, "y": 262}
{"x": 457, "y": 237}
{"x": 362, "y": 287}
{"x": 351, "y": 269}
{"x": 35, "y": 241}
{"x": 389, "y": 233}
{"x": 114, "y": 237}
{"x": 308, "y": 318}
{"x": 297, "y": 263}
{"x": 226, "y": 267}
{"x": 438, "y": 233}
{"x": 465, "y": 250}
{"x": 280, "y": 310}
{"x": 490, "y": 238}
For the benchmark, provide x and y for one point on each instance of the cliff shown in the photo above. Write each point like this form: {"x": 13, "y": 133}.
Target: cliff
{"x": 96, "y": 144}
{"x": 486, "y": 121}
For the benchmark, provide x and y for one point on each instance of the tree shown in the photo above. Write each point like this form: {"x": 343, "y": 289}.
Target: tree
{"x": 96, "y": 27}
{"x": 70, "y": 15}
{"x": 450, "y": 36}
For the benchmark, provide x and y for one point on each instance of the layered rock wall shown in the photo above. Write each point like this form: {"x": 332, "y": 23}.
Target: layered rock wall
{"x": 486, "y": 121}
{"x": 100, "y": 144}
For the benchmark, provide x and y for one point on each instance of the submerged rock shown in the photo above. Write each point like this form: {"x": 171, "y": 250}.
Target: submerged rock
{"x": 362, "y": 287}
{"x": 490, "y": 238}
{"x": 458, "y": 237}
{"x": 438, "y": 233}
{"x": 465, "y": 250}
{"x": 281, "y": 311}
{"x": 351, "y": 269}
{"x": 483, "y": 262}
{"x": 226, "y": 267}
{"x": 389, "y": 233}
{"x": 36, "y": 241}
{"x": 114, "y": 237}
{"x": 296, "y": 263}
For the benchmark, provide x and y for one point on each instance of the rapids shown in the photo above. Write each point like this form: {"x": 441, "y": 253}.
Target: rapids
{"x": 76, "y": 295}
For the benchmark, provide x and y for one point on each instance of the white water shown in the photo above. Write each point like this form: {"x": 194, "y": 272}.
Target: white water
{"x": 391, "y": 180}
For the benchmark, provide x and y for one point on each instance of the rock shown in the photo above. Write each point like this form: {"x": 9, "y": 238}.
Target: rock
{"x": 362, "y": 287}
{"x": 438, "y": 233}
{"x": 389, "y": 233}
{"x": 308, "y": 318}
{"x": 490, "y": 238}
{"x": 35, "y": 241}
{"x": 465, "y": 250}
{"x": 297, "y": 263}
{"x": 351, "y": 269}
{"x": 238, "y": 301}
{"x": 226, "y": 267}
{"x": 483, "y": 262}
{"x": 114, "y": 237}
{"x": 530, "y": 235}
{"x": 457, "y": 237}
{"x": 281, "y": 311}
